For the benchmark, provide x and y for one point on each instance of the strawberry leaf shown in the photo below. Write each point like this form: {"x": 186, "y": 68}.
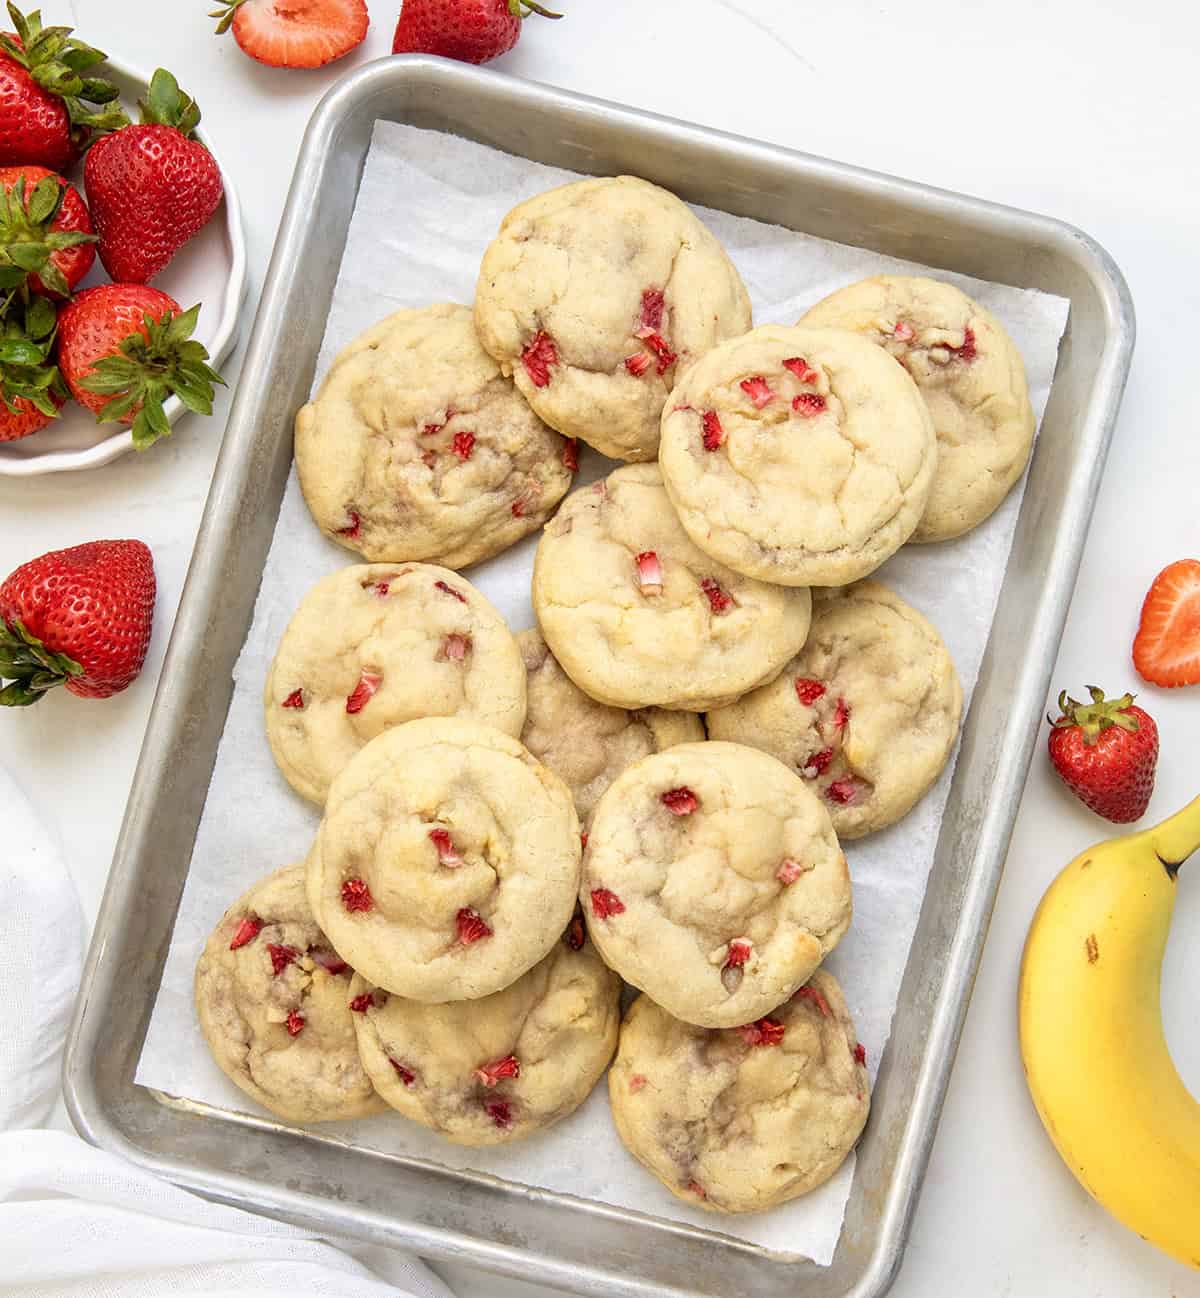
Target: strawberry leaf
{"x": 30, "y": 666}
{"x": 166, "y": 105}
{"x": 43, "y": 203}
{"x": 19, "y": 351}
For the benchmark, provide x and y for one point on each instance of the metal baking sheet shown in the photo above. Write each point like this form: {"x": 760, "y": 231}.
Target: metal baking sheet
{"x": 586, "y": 1247}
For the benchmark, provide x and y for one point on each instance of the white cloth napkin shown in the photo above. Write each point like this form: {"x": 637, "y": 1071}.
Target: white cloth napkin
{"x": 41, "y": 955}
{"x": 76, "y": 1222}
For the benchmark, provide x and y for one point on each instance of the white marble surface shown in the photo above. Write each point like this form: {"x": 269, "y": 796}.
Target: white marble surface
{"x": 1085, "y": 111}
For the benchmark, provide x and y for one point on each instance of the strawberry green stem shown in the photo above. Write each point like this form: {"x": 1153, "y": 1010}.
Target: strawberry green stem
{"x": 30, "y": 668}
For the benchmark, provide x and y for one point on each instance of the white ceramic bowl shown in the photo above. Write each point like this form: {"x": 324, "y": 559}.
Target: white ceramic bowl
{"x": 210, "y": 268}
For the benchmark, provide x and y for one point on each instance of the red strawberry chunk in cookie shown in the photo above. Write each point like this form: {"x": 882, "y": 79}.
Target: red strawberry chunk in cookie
{"x": 295, "y": 1023}
{"x": 281, "y": 957}
{"x": 653, "y": 301}
{"x": 470, "y": 926}
{"x": 649, "y": 572}
{"x": 817, "y": 764}
{"x": 606, "y": 903}
{"x": 368, "y": 683}
{"x": 712, "y": 432}
{"x": 449, "y": 590}
{"x": 789, "y": 871}
{"x": 718, "y": 600}
{"x": 361, "y": 1004}
{"x": 757, "y": 390}
{"x": 739, "y": 952}
{"x": 808, "y": 691}
{"x": 462, "y": 445}
{"x": 860, "y": 1054}
{"x": 574, "y": 936}
{"x": 330, "y": 961}
{"x": 454, "y": 648}
{"x": 491, "y": 1074}
{"x": 841, "y": 714}
{"x": 538, "y": 357}
{"x": 801, "y": 369}
{"x": 807, "y": 993}
{"x": 294, "y": 700}
{"x": 966, "y": 350}
{"x": 570, "y": 454}
{"x": 353, "y": 528}
{"x": 638, "y": 364}
{"x": 247, "y": 931}
{"x": 636, "y": 1083}
{"x": 406, "y": 1075}
{"x": 356, "y": 895}
{"x": 500, "y": 1112}
{"x": 664, "y": 356}
{"x": 843, "y": 792}
{"x": 765, "y": 1032}
{"x": 808, "y": 404}
{"x": 447, "y": 856}
{"x": 904, "y": 332}
{"x": 680, "y": 802}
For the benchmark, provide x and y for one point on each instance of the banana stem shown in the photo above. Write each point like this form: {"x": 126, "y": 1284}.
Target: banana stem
{"x": 1178, "y": 836}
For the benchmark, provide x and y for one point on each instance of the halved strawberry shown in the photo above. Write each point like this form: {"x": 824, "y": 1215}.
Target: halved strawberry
{"x": 294, "y": 33}
{"x": 1166, "y": 649}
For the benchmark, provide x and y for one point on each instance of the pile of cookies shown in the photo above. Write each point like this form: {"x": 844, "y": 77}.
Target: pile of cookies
{"x": 515, "y": 826}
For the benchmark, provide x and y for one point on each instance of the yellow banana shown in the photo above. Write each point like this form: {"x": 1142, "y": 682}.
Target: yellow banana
{"x": 1091, "y": 1033}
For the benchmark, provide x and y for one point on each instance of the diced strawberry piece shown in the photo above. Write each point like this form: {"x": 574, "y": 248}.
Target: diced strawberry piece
{"x": 491, "y": 1074}
{"x": 807, "y": 993}
{"x": 817, "y": 764}
{"x": 361, "y": 1004}
{"x": 294, "y": 700}
{"x": 841, "y": 714}
{"x": 447, "y": 856}
{"x": 449, "y": 590}
{"x": 358, "y": 698}
{"x": 697, "y": 1189}
{"x": 718, "y": 600}
{"x": 904, "y": 332}
{"x": 330, "y": 961}
{"x": 801, "y": 369}
{"x": 583, "y": 838}
{"x": 570, "y": 454}
{"x": 860, "y": 1054}
{"x": 764, "y": 1032}
{"x": 574, "y": 936}
{"x": 605, "y": 903}
{"x": 1166, "y": 649}
{"x": 789, "y": 871}
{"x": 808, "y": 404}
{"x": 454, "y": 647}
{"x": 538, "y": 357}
{"x": 246, "y": 931}
{"x": 680, "y": 802}
{"x": 462, "y": 445}
{"x": 738, "y": 953}
{"x": 664, "y": 356}
{"x": 966, "y": 350}
{"x": 406, "y": 1075}
{"x": 636, "y": 1082}
{"x": 757, "y": 390}
{"x": 808, "y": 691}
{"x": 649, "y": 571}
{"x": 378, "y": 588}
{"x": 638, "y": 363}
{"x": 431, "y": 430}
{"x": 356, "y": 895}
{"x": 712, "y": 433}
{"x": 500, "y": 1112}
{"x": 281, "y": 957}
{"x": 353, "y": 528}
{"x": 842, "y": 791}
{"x": 295, "y": 1023}
{"x": 653, "y": 301}
{"x": 470, "y": 926}
{"x": 526, "y": 501}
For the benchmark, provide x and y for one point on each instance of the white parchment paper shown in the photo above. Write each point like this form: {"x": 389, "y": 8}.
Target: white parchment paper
{"x": 428, "y": 205}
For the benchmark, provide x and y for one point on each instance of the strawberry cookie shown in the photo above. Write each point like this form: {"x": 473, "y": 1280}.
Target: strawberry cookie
{"x": 447, "y": 862}
{"x": 868, "y": 710}
{"x": 749, "y": 1117}
{"x": 416, "y": 447}
{"x": 595, "y": 297}
{"x": 375, "y": 645}
{"x": 638, "y": 616}
{"x": 585, "y": 742}
{"x": 713, "y": 881}
{"x": 490, "y": 1071}
{"x": 271, "y": 995}
{"x": 798, "y": 456}
{"x": 970, "y": 375}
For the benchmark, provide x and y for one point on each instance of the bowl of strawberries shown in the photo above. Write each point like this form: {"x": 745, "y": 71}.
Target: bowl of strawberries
{"x": 122, "y": 255}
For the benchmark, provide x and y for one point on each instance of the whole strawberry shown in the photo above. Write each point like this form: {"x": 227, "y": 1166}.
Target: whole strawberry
{"x": 294, "y": 33}
{"x": 472, "y": 31}
{"x": 46, "y": 238}
{"x": 31, "y": 389}
{"x": 80, "y": 618}
{"x": 151, "y": 186}
{"x": 123, "y": 349}
{"x": 49, "y": 105}
{"x": 1106, "y": 752}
